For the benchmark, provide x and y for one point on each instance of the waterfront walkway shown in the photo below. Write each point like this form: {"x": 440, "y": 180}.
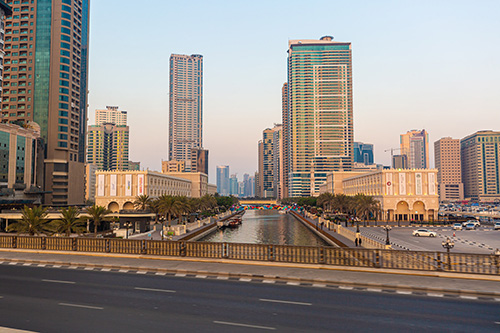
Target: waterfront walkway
{"x": 388, "y": 280}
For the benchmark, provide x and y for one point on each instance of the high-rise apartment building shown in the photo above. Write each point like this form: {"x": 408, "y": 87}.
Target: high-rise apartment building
{"x": 270, "y": 166}
{"x": 108, "y": 146}
{"x": 233, "y": 185}
{"x": 480, "y": 155}
{"x": 5, "y": 10}
{"x": 399, "y": 162}
{"x": 259, "y": 177}
{"x": 45, "y": 81}
{"x": 319, "y": 121}
{"x": 223, "y": 179}
{"x": 285, "y": 142}
{"x": 415, "y": 145}
{"x": 186, "y": 106}
{"x": 449, "y": 177}
{"x": 363, "y": 153}
{"x": 111, "y": 115}
{"x": 199, "y": 160}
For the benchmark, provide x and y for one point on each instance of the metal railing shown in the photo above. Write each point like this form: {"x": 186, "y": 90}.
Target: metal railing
{"x": 374, "y": 258}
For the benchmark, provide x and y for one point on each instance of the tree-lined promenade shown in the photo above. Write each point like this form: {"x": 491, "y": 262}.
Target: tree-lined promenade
{"x": 166, "y": 209}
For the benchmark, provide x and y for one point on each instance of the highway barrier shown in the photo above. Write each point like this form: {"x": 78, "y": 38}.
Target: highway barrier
{"x": 374, "y": 258}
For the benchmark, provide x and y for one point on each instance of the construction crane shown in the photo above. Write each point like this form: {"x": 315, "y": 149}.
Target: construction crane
{"x": 391, "y": 150}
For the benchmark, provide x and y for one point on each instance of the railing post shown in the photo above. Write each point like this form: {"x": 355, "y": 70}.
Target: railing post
{"x": 225, "y": 252}
{"x": 44, "y": 243}
{"x": 377, "y": 258}
{"x": 144, "y": 247}
{"x": 182, "y": 249}
{"x": 270, "y": 253}
{"x": 74, "y": 243}
{"x": 108, "y": 245}
{"x": 14, "y": 242}
{"x": 439, "y": 262}
{"x": 322, "y": 255}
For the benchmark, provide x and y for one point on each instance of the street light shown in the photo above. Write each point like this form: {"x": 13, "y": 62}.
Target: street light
{"x": 387, "y": 228}
{"x": 127, "y": 226}
{"x": 448, "y": 245}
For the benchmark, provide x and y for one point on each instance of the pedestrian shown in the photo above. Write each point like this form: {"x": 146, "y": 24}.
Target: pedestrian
{"x": 356, "y": 242}
{"x": 359, "y": 241}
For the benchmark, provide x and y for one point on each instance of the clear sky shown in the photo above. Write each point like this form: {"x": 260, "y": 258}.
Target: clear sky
{"x": 416, "y": 64}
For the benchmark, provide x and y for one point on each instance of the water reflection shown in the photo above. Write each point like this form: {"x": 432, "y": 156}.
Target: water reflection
{"x": 267, "y": 227}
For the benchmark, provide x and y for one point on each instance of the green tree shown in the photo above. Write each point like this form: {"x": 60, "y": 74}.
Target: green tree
{"x": 97, "y": 214}
{"x": 155, "y": 207}
{"x": 366, "y": 206}
{"x": 326, "y": 200}
{"x": 70, "y": 222}
{"x": 33, "y": 222}
{"x": 142, "y": 202}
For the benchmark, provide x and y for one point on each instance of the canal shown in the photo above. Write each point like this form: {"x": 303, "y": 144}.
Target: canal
{"x": 267, "y": 227}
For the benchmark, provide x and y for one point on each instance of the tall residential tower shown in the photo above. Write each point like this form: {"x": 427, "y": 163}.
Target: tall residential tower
{"x": 186, "y": 106}
{"x": 415, "y": 145}
{"x": 45, "y": 81}
{"x": 319, "y": 121}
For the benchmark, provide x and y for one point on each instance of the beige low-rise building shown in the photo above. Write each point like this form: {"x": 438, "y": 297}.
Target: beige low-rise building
{"x": 199, "y": 182}
{"x": 117, "y": 190}
{"x": 211, "y": 189}
{"x": 404, "y": 195}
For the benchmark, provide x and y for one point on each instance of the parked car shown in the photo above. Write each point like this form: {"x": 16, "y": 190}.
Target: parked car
{"x": 475, "y": 222}
{"x": 457, "y": 226}
{"x": 497, "y": 226}
{"x": 470, "y": 226}
{"x": 424, "y": 232}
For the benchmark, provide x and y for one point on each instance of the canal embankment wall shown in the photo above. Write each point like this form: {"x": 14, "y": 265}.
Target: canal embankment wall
{"x": 317, "y": 231}
{"x": 201, "y": 232}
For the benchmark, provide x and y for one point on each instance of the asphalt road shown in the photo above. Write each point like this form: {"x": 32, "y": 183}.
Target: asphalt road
{"x": 63, "y": 300}
{"x": 483, "y": 240}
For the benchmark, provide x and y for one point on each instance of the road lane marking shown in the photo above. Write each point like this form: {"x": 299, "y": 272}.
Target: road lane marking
{"x": 293, "y": 283}
{"x": 403, "y": 292}
{"x": 106, "y": 269}
{"x": 375, "y": 290}
{"x": 123, "y": 271}
{"x": 57, "y": 266}
{"x": 346, "y": 287}
{"x": 58, "y": 281}
{"x": 285, "y": 302}
{"x": 152, "y": 289}
{"x": 497, "y": 322}
{"x": 319, "y": 285}
{"x": 180, "y": 275}
{"x": 268, "y": 281}
{"x": 244, "y": 325}
{"x": 468, "y": 297}
{"x": 223, "y": 277}
{"x": 142, "y": 272}
{"x": 13, "y": 263}
{"x": 435, "y": 295}
{"x": 88, "y": 269}
{"x": 245, "y": 279}
{"x": 12, "y": 330}
{"x": 160, "y": 273}
{"x": 201, "y": 276}
{"x": 82, "y": 306}
{"x": 27, "y": 264}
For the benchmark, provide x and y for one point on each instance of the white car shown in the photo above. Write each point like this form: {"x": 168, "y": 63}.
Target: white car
{"x": 457, "y": 226}
{"x": 497, "y": 226}
{"x": 424, "y": 232}
{"x": 476, "y": 223}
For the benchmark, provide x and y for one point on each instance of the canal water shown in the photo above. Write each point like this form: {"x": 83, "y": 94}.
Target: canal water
{"x": 267, "y": 227}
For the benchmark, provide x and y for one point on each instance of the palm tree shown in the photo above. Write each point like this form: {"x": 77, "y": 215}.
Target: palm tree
{"x": 70, "y": 222}
{"x": 97, "y": 215}
{"x": 326, "y": 200}
{"x": 181, "y": 207}
{"x": 142, "y": 201}
{"x": 154, "y": 207}
{"x": 365, "y": 205}
{"x": 33, "y": 221}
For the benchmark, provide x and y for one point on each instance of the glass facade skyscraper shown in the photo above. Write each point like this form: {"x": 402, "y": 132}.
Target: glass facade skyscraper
{"x": 223, "y": 179}
{"x": 185, "y": 106}
{"x": 45, "y": 81}
{"x": 319, "y": 124}
{"x": 363, "y": 153}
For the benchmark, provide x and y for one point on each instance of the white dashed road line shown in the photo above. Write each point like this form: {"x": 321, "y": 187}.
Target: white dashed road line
{"x": 59, "y": 281}
{"x": 152, "y": 289}
{"x": 82, "y": 306}
{"x": 244, "y": 325}
{"x": 285, "y": 302}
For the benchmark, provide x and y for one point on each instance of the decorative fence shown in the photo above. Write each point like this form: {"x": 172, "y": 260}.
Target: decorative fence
{"x": 375, "y": 258}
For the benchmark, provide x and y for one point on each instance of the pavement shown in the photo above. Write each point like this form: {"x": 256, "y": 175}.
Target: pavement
{"x": 431, "y": 283}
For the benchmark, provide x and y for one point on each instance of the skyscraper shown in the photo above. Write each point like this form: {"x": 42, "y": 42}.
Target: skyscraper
{"x": 449, "y": 176}
{"x": 223, "y": 179}
{"x": 5, "y": 10}
{"x": 285, "y": 141}
{"x": 45, "y": 81}
{"x": 363, "y": 153}
{"x": 186, "y": 106}
{"x": 415, "y": 145}
{"x": 480, "y": 155}
{"x": 108, "y": 146}
{"x": 269, "y": 167}
{"x": 111, "y": 115}
{"x": 319, "y": 121}
{"x": 199, "y": 160}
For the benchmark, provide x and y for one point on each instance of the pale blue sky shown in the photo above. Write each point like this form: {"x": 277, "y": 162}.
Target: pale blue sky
{"x": 416, "y": 64}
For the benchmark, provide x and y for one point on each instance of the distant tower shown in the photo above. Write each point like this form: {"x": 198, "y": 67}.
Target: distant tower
{"x": 415, "y": 145}
{"x": 319, "y": 121}
{"x": 223, "y": 179}
{"x": 186, "y": 106}
{"x": 449, "y": 177}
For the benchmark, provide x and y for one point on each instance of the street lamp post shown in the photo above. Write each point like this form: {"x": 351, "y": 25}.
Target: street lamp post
{"x": 448, "y": 245}
{"x": 387, "y": 228}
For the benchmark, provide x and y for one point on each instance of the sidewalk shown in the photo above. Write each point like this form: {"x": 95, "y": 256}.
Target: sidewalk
{"x": 463, "y": 285}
